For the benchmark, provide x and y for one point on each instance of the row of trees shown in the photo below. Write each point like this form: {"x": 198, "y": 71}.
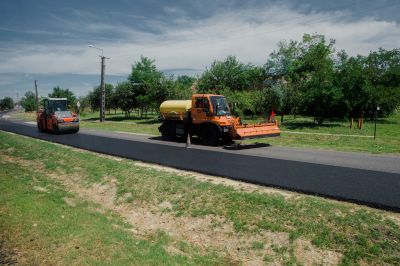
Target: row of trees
{"x": 307, "y": 77}
{"x": 310, "y": 78}
{"x": 146, "y": 88}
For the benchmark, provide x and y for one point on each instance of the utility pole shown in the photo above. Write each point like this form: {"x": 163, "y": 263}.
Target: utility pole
{"x": 103, "y": 92}
{"x": 37, "y": 99}
{"x": 102, "y": 86}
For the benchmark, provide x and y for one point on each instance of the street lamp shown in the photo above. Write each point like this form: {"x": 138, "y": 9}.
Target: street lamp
{"x": 102, "y": 89}
{"x": 92, "y": 46}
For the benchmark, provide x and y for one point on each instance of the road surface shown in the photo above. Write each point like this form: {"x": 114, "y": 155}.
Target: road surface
{"x": 372, "y": 180}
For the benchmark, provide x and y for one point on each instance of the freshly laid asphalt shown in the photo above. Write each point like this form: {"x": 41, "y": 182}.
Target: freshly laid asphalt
{"x": 372, "y": 180}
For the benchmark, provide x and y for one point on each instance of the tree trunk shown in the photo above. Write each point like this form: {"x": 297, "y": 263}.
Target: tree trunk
{"x": 282, "y": 118}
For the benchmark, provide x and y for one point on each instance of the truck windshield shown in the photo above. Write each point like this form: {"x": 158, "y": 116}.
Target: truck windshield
{"x": 220, "y": 105}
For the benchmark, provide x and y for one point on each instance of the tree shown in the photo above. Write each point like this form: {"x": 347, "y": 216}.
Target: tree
{"x": 314, "y": 69}
{"x": 382, "y": 72}
{"x": 230, "y": 74}
{"x": 28, "y": 102}
{"x": 6, "y": 103}
{"x": 280, "y": 71}
{"x": 182, "y": 88}
{"x": 148, "y": 84}
{"x": 125, "y": 97}
{"x": 64, "y": 93}
{"x": 239, "y": 82}
{"x": 350, "y": 77}
{"x": 95, "y": 94}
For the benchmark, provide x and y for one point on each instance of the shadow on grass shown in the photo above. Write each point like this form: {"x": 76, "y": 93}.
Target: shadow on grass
{"x": 293, "y": 125}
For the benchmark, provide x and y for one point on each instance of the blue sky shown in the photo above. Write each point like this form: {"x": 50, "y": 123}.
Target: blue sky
{"x": 48, "y": 40}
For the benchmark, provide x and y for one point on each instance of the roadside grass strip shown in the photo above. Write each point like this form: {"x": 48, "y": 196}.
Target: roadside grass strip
{"x": 61, "y": 205}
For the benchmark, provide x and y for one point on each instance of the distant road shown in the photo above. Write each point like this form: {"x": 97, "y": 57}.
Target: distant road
{"x": 357, "y": 177}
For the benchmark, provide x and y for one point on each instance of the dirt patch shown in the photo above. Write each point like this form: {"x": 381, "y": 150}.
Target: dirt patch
{"x": 22, "y": 162}
{"x": 165, "y": 205}
{"x": 40, "y": 189}
{"x": 204, "y": 232}
{"x": 237, "y": 185}
{"x": 7, "y": 257}
{"x": 70, "y": 201}
{"x": 307, "y": 254}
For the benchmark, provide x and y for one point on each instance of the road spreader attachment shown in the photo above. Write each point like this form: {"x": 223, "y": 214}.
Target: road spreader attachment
{"x": 261, "y": 130}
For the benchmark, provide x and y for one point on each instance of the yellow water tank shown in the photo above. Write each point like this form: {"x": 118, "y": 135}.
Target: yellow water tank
{"x": 175, "y": 109}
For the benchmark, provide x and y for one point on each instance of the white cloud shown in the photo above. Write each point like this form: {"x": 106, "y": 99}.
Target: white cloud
{"x": 249, "y": 34}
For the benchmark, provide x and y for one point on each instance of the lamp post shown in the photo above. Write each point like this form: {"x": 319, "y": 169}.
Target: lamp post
{"x": 102, "y": 89}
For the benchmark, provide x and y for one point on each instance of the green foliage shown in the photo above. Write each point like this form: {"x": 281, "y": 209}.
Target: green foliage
{"x": 6, "y": 103}
{"x": 125, "y": 97}
{"x": 182, "y": 88}
{"x": 149, "y": 85}
{"x": 382, "y": 72}
{"x": 28, "y": 102}
{"x": 110, "y": 98}
{"x": 232, "y": 75}
{"x": 64, "y": 93}
{"x": 306, "y": 77}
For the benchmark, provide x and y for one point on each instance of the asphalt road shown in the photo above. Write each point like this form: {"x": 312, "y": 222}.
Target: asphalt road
{"x": 368, "y": 179}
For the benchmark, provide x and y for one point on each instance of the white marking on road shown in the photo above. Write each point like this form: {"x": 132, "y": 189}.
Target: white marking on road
{"x": 30, "y": 122}
{"x": 6, "y": 116}
{"x": 325, "y": 134}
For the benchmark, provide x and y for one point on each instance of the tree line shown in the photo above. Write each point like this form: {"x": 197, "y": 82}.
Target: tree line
{"x": 308, "y": 77}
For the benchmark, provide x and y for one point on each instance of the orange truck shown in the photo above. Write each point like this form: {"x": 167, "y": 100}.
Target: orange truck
{"x": 208, "y": 116}
{"x": 55, "y": 117}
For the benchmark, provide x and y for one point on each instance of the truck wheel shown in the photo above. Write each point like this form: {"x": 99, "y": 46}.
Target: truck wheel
{"x": 227, "y": 140}
{"x": 56, "y": 129}
{"x": 210, "y": 136}
{"x": 168, "y": 131}
{"x": 40, "y": 126}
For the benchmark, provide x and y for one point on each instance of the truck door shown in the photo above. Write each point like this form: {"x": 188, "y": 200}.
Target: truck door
{"x": 201, "y": 110}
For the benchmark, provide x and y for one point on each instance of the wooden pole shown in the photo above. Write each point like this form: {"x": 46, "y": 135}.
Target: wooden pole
{"x": 37, "y": 98}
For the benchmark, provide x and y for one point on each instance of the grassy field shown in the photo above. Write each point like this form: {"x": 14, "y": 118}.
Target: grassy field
{"x": 299, "y": 132}
{"x": 61, "y": 205}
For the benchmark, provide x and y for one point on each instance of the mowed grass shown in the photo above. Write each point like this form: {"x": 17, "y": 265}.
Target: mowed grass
{"x": 331, "y": 135}
{"x": 43, "y": 228}
{"x": 337, "y": 135}
{"x": 37, "y": 227}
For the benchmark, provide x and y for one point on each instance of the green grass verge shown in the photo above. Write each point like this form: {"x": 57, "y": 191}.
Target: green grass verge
{"x": 41, "y": 229}
{"x": 388, "y": 139}
{"x": 361, "y": 234}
